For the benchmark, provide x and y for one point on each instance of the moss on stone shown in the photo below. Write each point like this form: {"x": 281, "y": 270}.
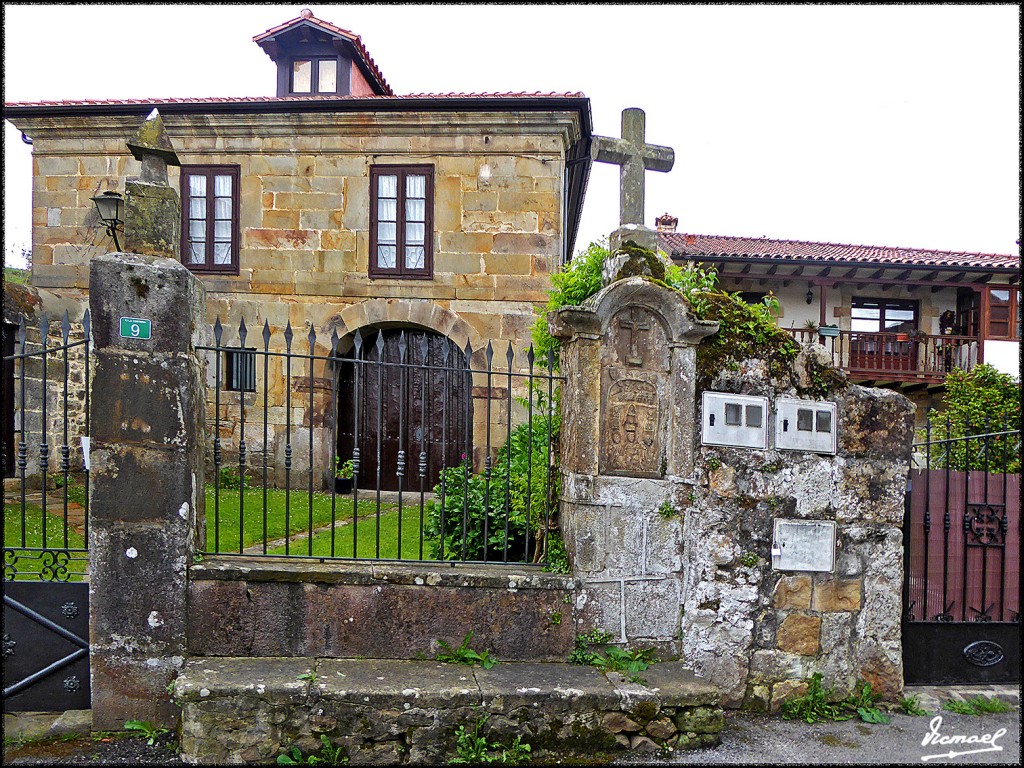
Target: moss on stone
{"x": 742, "y": 334}
{"x": 640, "y": 262}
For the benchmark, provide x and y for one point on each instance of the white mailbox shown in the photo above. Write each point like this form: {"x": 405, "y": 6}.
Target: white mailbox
{"x": 736, "y": 420}
{"x": 805, "y": 425}
{"x": 804, "y": 545}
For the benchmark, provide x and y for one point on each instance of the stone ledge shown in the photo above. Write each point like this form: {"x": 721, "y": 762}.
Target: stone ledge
{"x": 511, "y": 577}
{"x": 247, "y": 710}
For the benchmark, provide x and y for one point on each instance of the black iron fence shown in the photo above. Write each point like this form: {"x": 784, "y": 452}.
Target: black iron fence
{"x": 392, "y": 445}
{"x": 46, "y": 410}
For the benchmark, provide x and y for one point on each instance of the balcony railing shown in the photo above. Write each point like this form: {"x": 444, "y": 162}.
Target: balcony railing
{"x": 895, "y": 356}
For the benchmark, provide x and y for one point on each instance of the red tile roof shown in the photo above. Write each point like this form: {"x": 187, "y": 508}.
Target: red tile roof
{"x": 712, "y": 246}
{"x": 276, "y": 99}
{"x": 352, "y": 37}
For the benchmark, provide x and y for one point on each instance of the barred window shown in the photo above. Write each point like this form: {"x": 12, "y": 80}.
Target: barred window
{"x": 240, "y": 370}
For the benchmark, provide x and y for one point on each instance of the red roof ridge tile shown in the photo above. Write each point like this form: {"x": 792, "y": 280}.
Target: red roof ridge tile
{"x": 853, "y": 246}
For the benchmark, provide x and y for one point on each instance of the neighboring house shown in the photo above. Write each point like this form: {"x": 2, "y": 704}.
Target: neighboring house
{"x": 335, "y": 205}
{"x": 904, "y": 317}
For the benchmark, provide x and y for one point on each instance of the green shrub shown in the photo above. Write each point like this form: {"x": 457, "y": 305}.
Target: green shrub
{"x": 815, "y": 706}
{"x": 520, "y": 482}
{"x": 976, "y": 402}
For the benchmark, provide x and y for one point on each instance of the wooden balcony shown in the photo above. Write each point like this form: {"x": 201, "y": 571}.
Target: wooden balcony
{"x": 895, "y": 357}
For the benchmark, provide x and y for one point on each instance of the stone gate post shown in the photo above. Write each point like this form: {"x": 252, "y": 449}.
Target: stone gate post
{"x": 146, "y": 496}
{"x": 629, "y": 361}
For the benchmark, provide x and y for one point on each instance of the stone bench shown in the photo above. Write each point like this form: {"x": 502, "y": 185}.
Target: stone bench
{"x": 250, "y": 710}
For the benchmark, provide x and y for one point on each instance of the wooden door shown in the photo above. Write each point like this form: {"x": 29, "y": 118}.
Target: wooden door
{"x": 410, "y": 395}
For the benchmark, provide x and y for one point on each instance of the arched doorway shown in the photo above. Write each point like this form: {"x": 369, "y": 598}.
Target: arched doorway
{"x": 407, "y": 394}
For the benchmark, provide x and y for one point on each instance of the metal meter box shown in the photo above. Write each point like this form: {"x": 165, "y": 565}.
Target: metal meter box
{"x": 740, "y": 421}
{"x": 805, "y": 425}
{"x": 804, "y": 545}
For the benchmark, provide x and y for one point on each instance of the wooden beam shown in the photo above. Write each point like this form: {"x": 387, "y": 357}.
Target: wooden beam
{"x": 903, "y": 275}
{"x": 851, "y": 273}
{"x": 927, "y": 278}
{"x": 824, "y": 272}
{"x": 877, "y": 274}
{"x": 772, "y": 269}
{"x": 746, "y": 269}
{"x": 798, "y": 271}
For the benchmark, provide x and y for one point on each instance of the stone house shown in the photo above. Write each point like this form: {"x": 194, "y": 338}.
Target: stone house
{"x": 902, "y": 317}
{"x": 335, "y": 205}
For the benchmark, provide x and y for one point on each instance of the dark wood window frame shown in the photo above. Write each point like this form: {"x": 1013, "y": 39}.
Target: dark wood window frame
{"x": 209, "y": 171}
{"x": 400, "y": 270}
{"x": 1006, "y": 314}
{"x": 314, "y": 75}
{"x": 911, "y": 305}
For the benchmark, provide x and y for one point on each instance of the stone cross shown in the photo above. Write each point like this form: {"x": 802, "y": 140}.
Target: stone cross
{"x": 635, "y": 326}
{"x": 634, "y": 157}
{"x": 152, "y": 217}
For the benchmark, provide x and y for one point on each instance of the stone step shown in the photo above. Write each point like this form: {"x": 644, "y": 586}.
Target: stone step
{"x": 250, "y": 710}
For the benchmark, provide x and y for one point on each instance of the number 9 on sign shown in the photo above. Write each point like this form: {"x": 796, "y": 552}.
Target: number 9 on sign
{"x": 136, "y": 328}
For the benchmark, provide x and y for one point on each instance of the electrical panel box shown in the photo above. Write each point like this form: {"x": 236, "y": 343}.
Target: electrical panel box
{"x": 805, "y": 425}
{"x": 804, "y": 545}
{"x": 740, "y": 421}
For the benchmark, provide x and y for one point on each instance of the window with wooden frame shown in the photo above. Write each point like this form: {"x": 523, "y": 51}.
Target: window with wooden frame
{"x": 314, "y": 75}
{"x": 209, "y": 211}
{"x": 883, "y": 315}
{"x": 401, "y": 221}
{"x": 1003, "y": 313}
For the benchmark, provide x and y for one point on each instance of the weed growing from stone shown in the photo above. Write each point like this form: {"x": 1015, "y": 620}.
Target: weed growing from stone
{"x": 311, "y": 676}
{"x": 977, "y": 706}
{"x": 555, "y": 618}
{"x": 909, "y": 705}
{"x": 815, "y": 706}
{"x": 667, "y": 510}
{"x": 713, "y": 463}
{"x": 329, "y": 755}
{"x": 749, "y": 559}
{"x": 149, "y": 731}
{"x": 591, "y": 649}
{"x": 464, "y": 654}
{"x": 472, "y": 749}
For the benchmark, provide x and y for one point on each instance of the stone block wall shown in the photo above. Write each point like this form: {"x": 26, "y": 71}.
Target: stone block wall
{"x": 304, "y": 228}
{"x": 680, "y": 559}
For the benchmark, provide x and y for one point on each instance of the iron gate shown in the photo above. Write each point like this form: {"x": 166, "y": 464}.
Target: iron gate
{"x": 962, "y": 533}
{"x": 45, "y": 522}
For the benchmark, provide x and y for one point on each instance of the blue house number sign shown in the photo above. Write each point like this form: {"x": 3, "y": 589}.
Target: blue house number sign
{"x": 136, "y": 328}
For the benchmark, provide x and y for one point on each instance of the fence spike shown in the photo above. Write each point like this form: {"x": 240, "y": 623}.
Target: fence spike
{"x": 357, "y": 341}
{"x": 424, "y": 347}
{"x": 242, "y": 332}
{"x": 551, "y": 360}
{"x": 446, "y": 350}
{"x": 86, "y": 323}
{"x": 401, "y": 346}
{"x": 490, "y": 355}
{"x": 312, "y": 338}
{"x": 65, "y": 328}
{"x": 288, "y": 336}
{"x": 530, "y": 356}
{"x": 44, "y": 329}
{"x": 218, "y": 330}
{"x": 380, "y": 345}
{"x": 22, "y": 333}
{"x": 334, "y": 342}
{"x": 509, "y": 355}
{"x": 266, "y": 335}
{"x": 468, "y": 352}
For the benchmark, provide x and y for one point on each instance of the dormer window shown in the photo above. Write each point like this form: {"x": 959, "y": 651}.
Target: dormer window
{"x": 315, "y": 75}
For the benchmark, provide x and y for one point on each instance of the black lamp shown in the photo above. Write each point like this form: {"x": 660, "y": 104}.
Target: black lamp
{"x": 810, "y": 295}
{"x": 110, "y": 206}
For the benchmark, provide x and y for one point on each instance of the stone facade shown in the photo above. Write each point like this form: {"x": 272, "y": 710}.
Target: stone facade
{"x": 677, "y": 554}
{"x": 304, "y": 221}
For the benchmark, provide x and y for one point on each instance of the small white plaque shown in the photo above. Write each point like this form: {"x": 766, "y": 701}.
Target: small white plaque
{"x": 804, "y": 545}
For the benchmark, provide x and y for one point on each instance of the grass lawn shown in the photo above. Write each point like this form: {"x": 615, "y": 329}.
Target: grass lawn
{"x": 24, "y": 560}
{"x": 366, "y": 537}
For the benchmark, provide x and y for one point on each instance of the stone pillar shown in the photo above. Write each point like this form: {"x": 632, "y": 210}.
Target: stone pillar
{"x": 152, "y": 208}
{"x": 146, "y": 496}
{"x": 628, "y": 357}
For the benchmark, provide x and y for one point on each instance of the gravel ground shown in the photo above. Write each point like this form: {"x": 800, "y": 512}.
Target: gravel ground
{"x": 753, "y": 739}
{"x": 746, "y": 740}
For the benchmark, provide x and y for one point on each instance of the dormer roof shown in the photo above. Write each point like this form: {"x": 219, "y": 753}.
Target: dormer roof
{"x": 306, "y": 26}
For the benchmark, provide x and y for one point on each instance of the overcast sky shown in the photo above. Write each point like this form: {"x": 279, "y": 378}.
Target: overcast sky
{"x": 873, "y": 125}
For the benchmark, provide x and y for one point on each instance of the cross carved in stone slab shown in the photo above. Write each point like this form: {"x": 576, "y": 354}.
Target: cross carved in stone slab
{"x": 634, "y": 325}
{"x": 634, "y": 157}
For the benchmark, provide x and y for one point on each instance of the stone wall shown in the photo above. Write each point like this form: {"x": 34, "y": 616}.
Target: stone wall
{"x": 262, "y": 607}
{"x": 675, "y": 550}
{"x": 304, "y": 224}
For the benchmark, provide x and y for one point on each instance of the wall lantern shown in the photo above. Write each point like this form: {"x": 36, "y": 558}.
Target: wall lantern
{"x": 810, "y": 295}
{"x": 110, "y": 206}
